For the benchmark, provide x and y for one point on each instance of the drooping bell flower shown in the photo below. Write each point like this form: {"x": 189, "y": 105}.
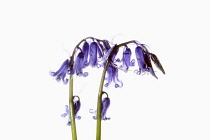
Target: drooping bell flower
{"x": 112, "y": 76}
{"x": 79, "y": 65}
{"x": 77, "y": 105}
{"x": 140, "y": 59}
{"x": 93, "y": 54}
{"x": 85, "y": 50}
{"x": 104, "y": 107}
{"x": 60, "y": 74}
{"x": 144, "y": 58}
{"x": 126, "y": 60}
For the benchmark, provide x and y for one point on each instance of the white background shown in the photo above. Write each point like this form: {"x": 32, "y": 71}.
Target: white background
{"x": 37, "y": 36}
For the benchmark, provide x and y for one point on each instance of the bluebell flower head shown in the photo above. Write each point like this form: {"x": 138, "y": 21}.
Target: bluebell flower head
{"x": 104, "y": 107}
{"x": 112, "y": 76}
{"x": 60, "y": 74}
{"x": 79, "y": 65}
{"x": 127, "y": 62}
{"x": 77, "y": 105}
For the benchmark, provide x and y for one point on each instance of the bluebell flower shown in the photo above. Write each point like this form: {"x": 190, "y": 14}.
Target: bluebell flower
{"x": 79, "y": 65}
{"x": 60, "y": 74}
{"x": 104, "y": 107}
{"x": 85, "y": 50}
{"x": 93, "y": 53}
{"x": 77, "y": 105}
{"x": 144, "y": 62}
{"x": 112, "y": 76}
{"x": 126, "y": 60}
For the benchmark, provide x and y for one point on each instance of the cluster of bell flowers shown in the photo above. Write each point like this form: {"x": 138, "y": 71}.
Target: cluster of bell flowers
{"x": 95, "y": 53}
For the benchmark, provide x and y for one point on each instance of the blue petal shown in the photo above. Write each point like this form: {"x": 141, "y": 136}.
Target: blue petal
{"x": 140, "y": 59}
{"x": 61, "y": 69}
{"x": 104, "y": 108}
{"x": 85, "y": 50}
{"x": 79, "y": 64}
{"x": 112, "y": 76}
{"x": 93, "y": 54}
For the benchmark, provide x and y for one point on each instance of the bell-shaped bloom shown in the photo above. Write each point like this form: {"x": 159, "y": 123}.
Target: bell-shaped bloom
{"x": 79, "y": 65}
{"x": 93, "y": 54}
{"x": 77, "y": 105}
{"x": 112, "y": 76}
{"x": 104, "y": 107}
{"x": 144, "y": 58}
{"x": 126, "y": 60}
{"x": 60, "y": 74}
{"x": 85, "y": 50}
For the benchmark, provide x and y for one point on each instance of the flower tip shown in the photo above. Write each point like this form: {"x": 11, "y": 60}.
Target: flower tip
{"x": 85, "y": 74}
{"x": 69, "y": 123}
{"x": 78, "y": 117}
{"x": 94, "y": 117}
{"x": 106, "y": 85}
{"x": 52, "y": 73}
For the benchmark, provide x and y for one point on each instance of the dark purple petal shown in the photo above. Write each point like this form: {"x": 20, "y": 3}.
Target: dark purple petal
{"x": 93, "y": 54}
{"x": 99, "y": 51}
{"x": 77, "y": 105}
{"x": 149, "y": 64}
{"x": 106, "y": 44}
{"x": 104, "y": 108}
{"x": 157, "y": 62}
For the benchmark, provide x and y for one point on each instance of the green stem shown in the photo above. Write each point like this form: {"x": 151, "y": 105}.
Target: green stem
{"x": 71, "y": 108}
{"x": 100, "y": 92}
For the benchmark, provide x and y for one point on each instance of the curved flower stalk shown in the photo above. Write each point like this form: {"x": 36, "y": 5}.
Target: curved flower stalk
{"x": 77, "y": 105}
{"x": 104, "y": 107}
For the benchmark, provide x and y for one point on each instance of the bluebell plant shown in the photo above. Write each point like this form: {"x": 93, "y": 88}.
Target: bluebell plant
{"x": 97, "y": 53}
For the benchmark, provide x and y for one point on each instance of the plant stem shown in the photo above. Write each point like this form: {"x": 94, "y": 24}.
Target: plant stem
{"x": 100, "y": 92}
{"x": 71, "y": 108}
